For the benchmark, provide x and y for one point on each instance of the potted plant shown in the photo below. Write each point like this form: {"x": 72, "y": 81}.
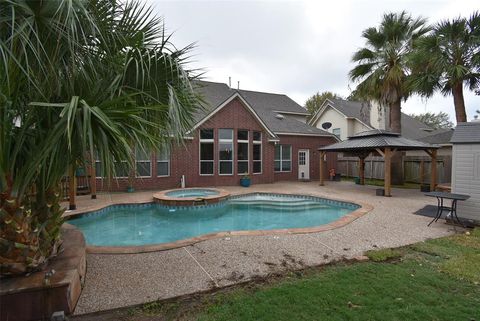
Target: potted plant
{"x": 245, "y": 181}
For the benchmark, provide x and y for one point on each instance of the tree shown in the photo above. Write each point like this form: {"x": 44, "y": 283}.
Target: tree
{"x": 315, "y": 102}
{"x": 447, "y": 60}
{"x": 382, "y": 65}
{"x": 439, "y": 120}
{"x": 77, "y": 78}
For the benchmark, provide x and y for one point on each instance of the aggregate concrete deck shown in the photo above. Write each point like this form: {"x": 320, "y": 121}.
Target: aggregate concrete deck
{"x": 119, "y": 280}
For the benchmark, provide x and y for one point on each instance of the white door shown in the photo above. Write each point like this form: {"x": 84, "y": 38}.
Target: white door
{"x": 303, "y": 164}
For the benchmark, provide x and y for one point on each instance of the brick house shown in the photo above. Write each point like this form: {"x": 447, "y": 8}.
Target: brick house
{"x": 240, "y": 132}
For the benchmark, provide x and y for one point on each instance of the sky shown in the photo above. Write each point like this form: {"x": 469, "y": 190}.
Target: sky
{"x": 295, "y": 48}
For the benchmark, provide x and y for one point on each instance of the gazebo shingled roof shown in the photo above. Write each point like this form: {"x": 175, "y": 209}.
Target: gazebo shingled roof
{"x": 371, "y": 140}
{"x": 385, "y": 143}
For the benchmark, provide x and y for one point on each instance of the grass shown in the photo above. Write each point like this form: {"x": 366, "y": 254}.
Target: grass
{"x": 433, "y": 280}
{"x": 383, "y": 255}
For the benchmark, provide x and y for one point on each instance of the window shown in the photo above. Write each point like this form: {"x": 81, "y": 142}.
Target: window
{"x": 163, "y": 163}
{"x": 98, "y": 166}
{"x": 336, "y": 132}
{"x": 283, "y": 158}
{"x": 143, "y": 163}
{"x": 225, "y": 151}
{"x": 257, "y": 152}
{"x": 242, "y": 152}
{"x": 121, "y": 169}
{"x": 206, "y": 152}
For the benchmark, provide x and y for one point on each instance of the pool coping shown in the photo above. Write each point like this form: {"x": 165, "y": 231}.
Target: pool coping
{"x": 162, "y": 197}
{"x": 342, "y": 221}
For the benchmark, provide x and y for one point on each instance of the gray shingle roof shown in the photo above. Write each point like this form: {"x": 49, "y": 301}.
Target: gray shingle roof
{"x": 411, "y": 127}
{"x": 466, "y": 133}
{"x": 265, "y": 106}
{"x": 372, "y": 139}
{"x": 353, "y": 109}
{"x": 439, "y": 136}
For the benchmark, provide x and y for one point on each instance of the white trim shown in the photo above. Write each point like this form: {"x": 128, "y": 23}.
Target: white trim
{"x": 322, "y": 109}
{"x": 208, "y": 141}
{"x": 281, "y": 160}
{"x": 168, "y": 161}
{"x": 257, "y": 142}
{"x": 290, "y": 112}
{"x": 301, "y": 134}
{"x": 317, "y": 113}
{"x": 243, "y": 141}
{"x": 226, "y": 141}
{"x": 226, "y": 102}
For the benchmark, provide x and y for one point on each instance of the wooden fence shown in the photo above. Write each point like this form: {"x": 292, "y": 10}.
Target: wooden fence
{"x": 414, "y": 168}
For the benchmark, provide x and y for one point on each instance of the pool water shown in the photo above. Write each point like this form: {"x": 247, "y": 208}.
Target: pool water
{"x": 193, "y": 192}
{"x": 131, "y": 225}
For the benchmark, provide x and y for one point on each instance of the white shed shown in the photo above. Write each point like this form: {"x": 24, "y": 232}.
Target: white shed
{"x": 466, "y": 169}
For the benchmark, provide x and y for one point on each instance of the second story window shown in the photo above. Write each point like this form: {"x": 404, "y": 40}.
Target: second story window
{"x": 336, "y": 132}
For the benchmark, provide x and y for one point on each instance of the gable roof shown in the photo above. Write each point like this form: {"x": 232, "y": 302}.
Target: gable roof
{"x": 466, "y": 133}
{"x": 376, "y": 138}
{"x": 265, "y": 106}
{"x": 411, "y": 127}
{"x": 439, "y": 136}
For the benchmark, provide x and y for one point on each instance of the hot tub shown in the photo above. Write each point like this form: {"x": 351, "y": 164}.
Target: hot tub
{"x": 190, "y": 196}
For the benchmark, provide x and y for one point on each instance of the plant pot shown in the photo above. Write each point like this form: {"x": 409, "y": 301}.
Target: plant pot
{"x": 130, "y": 189}
{"x": 425, "y": 188}
{"x": 245, "y": 182}
{"x": 357, "y": 180}
{"x": 338, "y": 177}
{"x": 380, "y": 192}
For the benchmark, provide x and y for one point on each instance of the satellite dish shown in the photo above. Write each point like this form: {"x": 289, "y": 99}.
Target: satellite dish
{"x": 326, "y": 125}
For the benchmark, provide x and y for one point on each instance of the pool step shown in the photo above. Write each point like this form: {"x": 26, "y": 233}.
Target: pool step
{"x": 289, "y": 206}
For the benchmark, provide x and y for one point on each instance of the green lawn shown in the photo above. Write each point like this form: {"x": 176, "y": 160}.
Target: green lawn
{"x": 433, "y": 280}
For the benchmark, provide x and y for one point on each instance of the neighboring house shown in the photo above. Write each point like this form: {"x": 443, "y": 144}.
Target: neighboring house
{"x": 466, "y": 169}
{"x": 239, "y": 132}
{"x": 348, "y": 118}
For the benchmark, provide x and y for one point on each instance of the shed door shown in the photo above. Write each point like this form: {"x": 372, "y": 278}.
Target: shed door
{"x": 303, "y": 164}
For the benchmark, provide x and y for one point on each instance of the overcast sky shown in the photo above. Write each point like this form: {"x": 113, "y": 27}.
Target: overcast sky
{"x": 296, "y": 48}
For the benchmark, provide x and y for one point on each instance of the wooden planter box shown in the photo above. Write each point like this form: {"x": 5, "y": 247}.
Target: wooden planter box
{"x": 29, "y": 298}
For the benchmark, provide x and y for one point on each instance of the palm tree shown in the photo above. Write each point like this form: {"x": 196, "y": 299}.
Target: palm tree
{"x": 382, "y": 65}
{"x": 448, "y": 59}
{"x": 76, "y": 78}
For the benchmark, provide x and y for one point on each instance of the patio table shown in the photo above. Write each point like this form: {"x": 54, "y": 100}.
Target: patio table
{"x": 453, "y": 207}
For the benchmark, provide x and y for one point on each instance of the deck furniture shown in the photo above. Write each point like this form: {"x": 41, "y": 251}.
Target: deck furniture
{"x": 453, "y": 207}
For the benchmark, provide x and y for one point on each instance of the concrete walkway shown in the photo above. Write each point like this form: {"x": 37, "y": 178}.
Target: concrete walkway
{"x": 115, "y": 281}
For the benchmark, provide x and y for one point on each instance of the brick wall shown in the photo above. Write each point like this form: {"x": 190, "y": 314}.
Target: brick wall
{"x": 184, "y": 159}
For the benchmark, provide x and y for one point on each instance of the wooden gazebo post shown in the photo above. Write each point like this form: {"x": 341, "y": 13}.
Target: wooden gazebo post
{"x": 322, "y": 167}
{"x": 387, "y": 156}
{"x": 433, "y": 168}
{"x": 361, "y": 169}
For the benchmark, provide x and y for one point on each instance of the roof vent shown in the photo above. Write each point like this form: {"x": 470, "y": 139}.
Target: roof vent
{"x": 279, "y": 116}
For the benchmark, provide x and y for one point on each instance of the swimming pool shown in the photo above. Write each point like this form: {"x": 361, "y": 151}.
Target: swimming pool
{"x": 153, "y": 223}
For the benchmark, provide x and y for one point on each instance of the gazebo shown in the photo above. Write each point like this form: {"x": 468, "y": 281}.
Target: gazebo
{"x": 381, "y": 142}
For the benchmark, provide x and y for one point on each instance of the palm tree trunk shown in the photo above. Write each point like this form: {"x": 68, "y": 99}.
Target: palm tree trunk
{"x": 396, "y": 117}
{"x": 396, "y": 127}
{"x": 458, "y": 101}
